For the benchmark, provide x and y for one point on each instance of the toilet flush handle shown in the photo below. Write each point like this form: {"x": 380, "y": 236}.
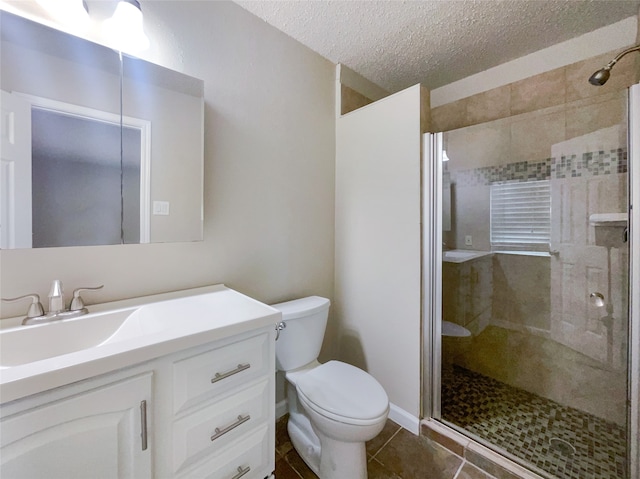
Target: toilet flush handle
{"x": 279, "y": 327}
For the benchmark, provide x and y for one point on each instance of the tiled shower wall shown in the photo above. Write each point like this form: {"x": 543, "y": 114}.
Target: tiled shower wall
{"x": 556, "y": 87}
{"x": 523, "y": 147}
{"x": 470, "y": 188}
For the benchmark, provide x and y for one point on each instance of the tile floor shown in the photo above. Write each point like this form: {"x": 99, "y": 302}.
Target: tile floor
{"x": 394, "y": 454}
{"x": 517, "y": 421}
{"x": 562, "y": 441}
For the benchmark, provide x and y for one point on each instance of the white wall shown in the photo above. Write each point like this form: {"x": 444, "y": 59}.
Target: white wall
{"x": 378, "y": 276}
{"x": 269, "y": 171}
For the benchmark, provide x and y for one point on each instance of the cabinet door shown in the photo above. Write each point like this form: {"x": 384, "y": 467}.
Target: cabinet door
{"x": 97, "y": 434}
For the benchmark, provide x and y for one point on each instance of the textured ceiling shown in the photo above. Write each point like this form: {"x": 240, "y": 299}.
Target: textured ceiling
{"x": 397, "y": 44}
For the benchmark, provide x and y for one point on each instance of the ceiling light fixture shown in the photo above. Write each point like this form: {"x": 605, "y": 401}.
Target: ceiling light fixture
{"x": 124, "y": 30}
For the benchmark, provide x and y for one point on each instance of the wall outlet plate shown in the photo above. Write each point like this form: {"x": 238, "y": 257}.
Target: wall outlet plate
{"x": 161, "y": 208}
{"x": 468, "y": 240}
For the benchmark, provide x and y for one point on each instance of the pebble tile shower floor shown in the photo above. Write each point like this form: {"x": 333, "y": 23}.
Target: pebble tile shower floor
{"x": 542, "y": 432}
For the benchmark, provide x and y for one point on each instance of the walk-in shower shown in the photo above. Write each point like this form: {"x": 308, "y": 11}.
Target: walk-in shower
{"x": 535, "y": 266}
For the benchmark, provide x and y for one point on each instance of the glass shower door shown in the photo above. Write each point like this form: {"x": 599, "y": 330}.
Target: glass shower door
{"x": 535, "y": 292}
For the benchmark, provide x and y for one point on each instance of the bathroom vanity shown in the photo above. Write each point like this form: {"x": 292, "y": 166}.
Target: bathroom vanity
{"x": 183, "y": 387}
{"x": 467, "y": 278}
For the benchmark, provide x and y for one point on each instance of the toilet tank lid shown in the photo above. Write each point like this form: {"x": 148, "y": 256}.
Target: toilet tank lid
{"x": 301, "y": 307}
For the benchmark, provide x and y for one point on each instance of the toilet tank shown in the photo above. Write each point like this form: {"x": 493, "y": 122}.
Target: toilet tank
{"x": 300, "y": 342}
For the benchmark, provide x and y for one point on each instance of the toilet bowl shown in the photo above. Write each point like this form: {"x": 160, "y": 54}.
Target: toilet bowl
{"x": 334, "y": 408}
{"x": 453, "y": 330}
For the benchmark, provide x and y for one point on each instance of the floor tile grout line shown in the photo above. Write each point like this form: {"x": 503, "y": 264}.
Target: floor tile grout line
{"x": 385, "y": 444}
{"x": 455, "y": 476}
{"x": 293, "y": 468}
{"x": 394, "y": 472}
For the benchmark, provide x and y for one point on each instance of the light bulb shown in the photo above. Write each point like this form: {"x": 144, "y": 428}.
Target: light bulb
{"x": 124, "y": 30}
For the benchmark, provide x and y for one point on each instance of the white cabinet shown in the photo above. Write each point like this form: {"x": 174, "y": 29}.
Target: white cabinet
{"x": 96, "y": 433}
{"x": 224, "y": 410}
{"x": 219, "y": 370}
{"x": 210, "y": 413}
{"x": 467, "y": 293}
{"x": 244, "y": 458}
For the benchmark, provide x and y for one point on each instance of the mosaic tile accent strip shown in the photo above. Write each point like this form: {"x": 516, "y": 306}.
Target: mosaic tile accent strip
{"x": 537, "y": 430}
{"x": 519, "y": 171}
{"x": 590, "y": 164}
{"x": 587, "y": 165}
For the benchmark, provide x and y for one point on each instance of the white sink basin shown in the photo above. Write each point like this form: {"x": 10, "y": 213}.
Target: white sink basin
{"x": 459, "y": 254}
{"x": 27, "y": 344}
{"x": 116, "y": 335}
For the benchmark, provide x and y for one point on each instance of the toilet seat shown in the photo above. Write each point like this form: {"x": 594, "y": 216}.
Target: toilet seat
{"x": 343, "y": 393}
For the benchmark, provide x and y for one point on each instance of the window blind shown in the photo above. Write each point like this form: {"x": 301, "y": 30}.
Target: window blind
{"x": 521, "y": 216}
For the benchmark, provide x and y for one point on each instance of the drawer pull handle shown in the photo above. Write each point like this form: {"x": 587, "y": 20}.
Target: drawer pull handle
{"x": 221, "y": 376}
{"x": 143, "y": 424}
{"x": 241, "y": 472}
{"x": 221, "y": 432}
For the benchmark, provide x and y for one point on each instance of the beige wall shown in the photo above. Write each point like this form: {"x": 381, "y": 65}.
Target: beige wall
{"x": 351, "y": 100}
{"x": 269, "y": 172}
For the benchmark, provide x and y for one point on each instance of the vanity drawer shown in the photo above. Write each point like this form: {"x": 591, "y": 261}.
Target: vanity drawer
{"x": 247, "y": 459}
{"x": 206, "y": 431}
{"x": 219, "y": 371}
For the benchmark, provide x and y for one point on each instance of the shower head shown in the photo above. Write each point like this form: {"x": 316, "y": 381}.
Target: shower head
{"x": 600, "y": 77}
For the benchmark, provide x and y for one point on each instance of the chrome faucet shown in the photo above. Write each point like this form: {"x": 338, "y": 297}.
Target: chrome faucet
{"x": 56, "y": 297}
{"x": 57, "y": 309}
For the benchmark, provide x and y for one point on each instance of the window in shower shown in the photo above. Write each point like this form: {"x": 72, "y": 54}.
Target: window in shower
{"x": 520, "y": 216}
{"x": 542, "y": 378}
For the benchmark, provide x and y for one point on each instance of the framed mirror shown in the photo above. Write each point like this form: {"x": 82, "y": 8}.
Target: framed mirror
{"x": 97, "y": 148}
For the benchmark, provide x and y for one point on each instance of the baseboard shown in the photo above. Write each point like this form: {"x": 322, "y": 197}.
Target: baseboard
{"x": 404, "y": 419}
{"x": 281, "y": 408}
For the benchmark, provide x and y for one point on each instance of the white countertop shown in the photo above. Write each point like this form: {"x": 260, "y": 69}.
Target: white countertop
{"x": 463, "y": 255}
{"x": 609, "y": 219}
{"x": 154, "y": 326}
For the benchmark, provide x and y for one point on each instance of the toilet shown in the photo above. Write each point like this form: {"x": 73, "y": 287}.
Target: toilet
{"x": 334, "y": 408}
